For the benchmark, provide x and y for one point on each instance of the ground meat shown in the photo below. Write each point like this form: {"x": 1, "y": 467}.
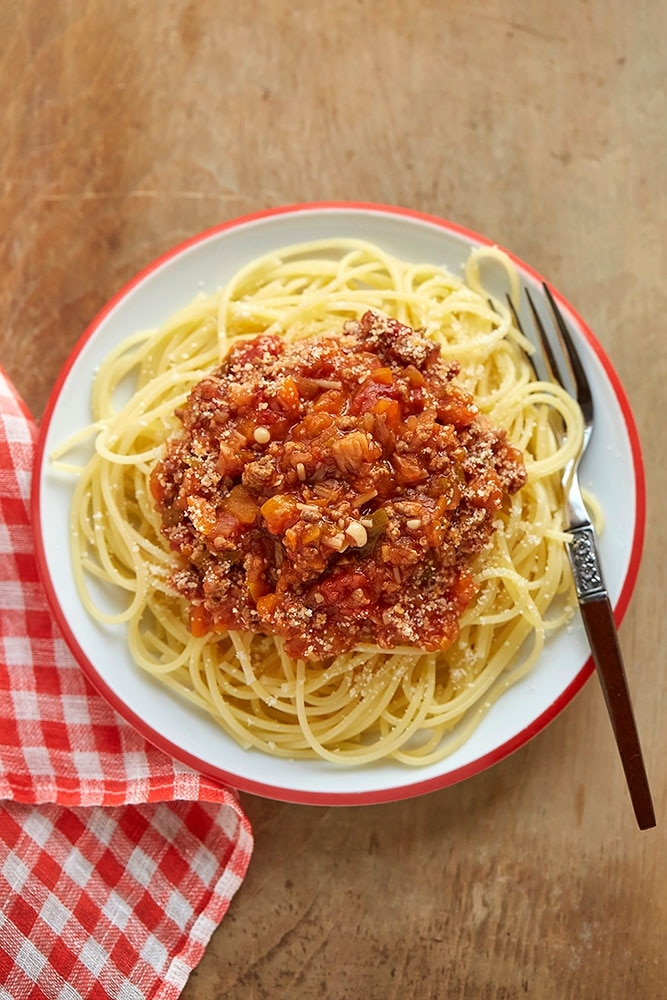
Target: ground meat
{"x": 333, "y": 491}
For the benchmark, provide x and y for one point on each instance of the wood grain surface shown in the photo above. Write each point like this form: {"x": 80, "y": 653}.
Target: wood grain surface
{"x": 131, "y": 125}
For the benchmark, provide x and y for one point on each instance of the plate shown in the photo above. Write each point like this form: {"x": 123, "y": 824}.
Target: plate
{"x": 612, "y": 470}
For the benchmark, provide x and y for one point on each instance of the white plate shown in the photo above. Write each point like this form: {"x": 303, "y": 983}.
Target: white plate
{"x": 612, "y": 470}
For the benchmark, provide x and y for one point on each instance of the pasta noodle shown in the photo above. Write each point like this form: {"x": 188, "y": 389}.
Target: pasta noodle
{"x": 367, "y": 704}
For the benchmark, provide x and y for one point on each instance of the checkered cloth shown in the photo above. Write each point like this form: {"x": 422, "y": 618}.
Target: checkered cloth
{"x": 116, "y": 862}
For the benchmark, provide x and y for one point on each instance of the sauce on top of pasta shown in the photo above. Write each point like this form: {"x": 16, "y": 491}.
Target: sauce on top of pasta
{"x": 333, "y": 491}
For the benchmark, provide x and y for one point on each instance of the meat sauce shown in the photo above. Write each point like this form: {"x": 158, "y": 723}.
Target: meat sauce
{"x": 333, "y": 491}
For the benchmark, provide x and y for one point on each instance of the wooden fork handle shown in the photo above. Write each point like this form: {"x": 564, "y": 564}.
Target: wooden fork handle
{"x": 600, "y": 628}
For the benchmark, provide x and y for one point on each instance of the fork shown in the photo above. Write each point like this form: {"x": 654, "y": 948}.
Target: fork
{"x": 595, "y": 606}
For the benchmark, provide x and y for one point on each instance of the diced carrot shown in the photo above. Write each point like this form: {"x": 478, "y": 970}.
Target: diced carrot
{"x": 266, "y": 605}
{"x": 257, "y": 588}
{"x": 464, "y": 589}
{"x": 241, "y": 504}
{"x": 384, "y": 376}
{"x": 311, "y": 534}
{"x": 202, "y": 514}
{"x": 288, "y": 395}
{"x": 330, "y": 401}
{"x": 391, "y": 410}
{"x": 200, "y": 620}
{"x": 413, "y": 376}
{"x": 279, "y": 512}
{"x": 313, "y": 424}
{"x": 246, "y": 426}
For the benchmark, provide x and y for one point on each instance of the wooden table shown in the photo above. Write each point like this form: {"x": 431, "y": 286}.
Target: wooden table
{"x": 129, "y": 125}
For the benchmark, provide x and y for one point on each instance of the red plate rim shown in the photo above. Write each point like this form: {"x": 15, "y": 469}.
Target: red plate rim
{"x": 298, "y": 796}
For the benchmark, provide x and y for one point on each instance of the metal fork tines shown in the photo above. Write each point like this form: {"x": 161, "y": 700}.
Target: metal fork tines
{"x": 560, "y": 353}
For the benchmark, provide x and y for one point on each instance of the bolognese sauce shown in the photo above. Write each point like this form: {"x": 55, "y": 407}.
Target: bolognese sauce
{"x": 333, "y": 491}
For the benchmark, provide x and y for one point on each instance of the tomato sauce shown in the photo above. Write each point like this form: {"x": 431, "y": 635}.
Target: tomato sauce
{"x": 333, "y": 491}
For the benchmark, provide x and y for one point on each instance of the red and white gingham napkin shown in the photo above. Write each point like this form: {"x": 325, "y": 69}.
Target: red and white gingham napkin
{"x": 116, "y": 862}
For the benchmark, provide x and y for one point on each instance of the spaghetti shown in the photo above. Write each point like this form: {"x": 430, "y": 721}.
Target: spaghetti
{"x": 367, "y": 702}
